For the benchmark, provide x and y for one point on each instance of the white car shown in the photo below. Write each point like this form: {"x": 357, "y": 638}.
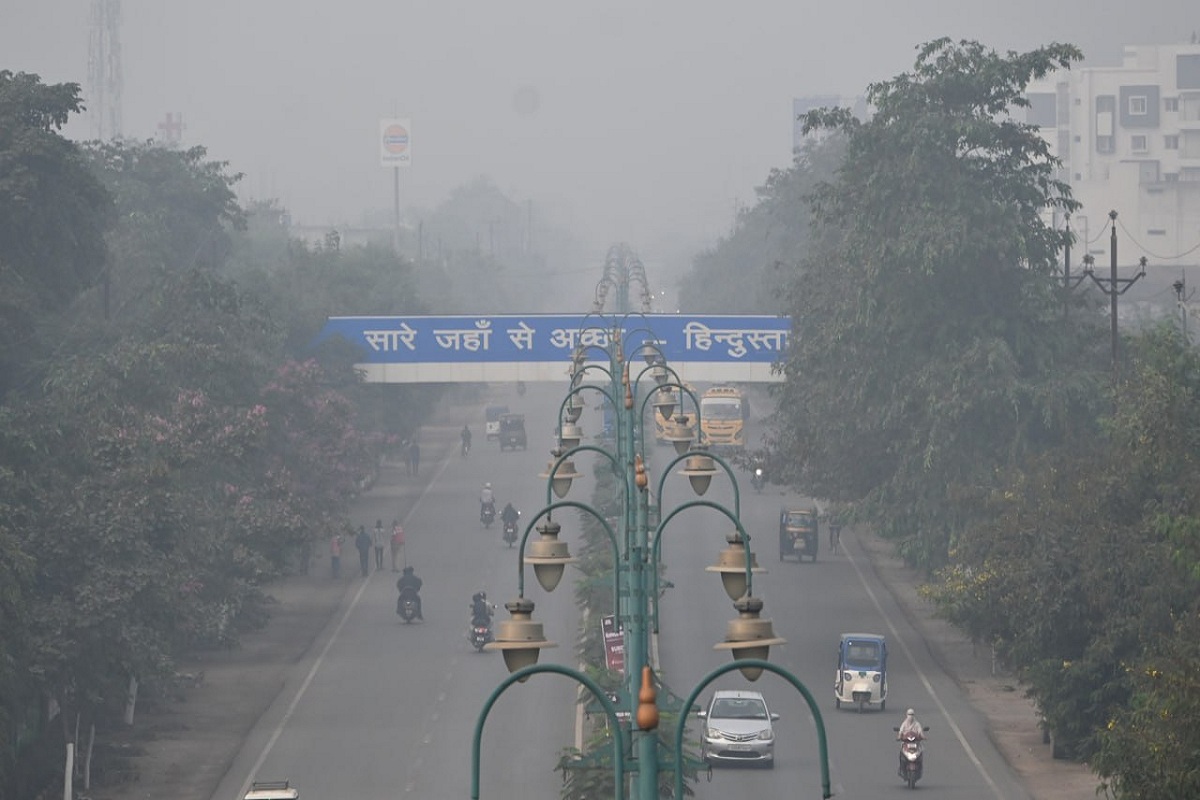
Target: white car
{"x": 738, "y": 729}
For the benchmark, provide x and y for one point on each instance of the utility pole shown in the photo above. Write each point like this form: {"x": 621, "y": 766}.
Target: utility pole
{"x": 105, "y": 78}
{"x": 1180, "y": 287}
{"x": 1114, "y": 287}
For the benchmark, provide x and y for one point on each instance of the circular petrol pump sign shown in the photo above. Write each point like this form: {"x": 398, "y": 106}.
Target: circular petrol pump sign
{"x": 395, "y": 139}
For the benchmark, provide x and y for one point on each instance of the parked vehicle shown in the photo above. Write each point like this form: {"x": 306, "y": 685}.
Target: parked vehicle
{"x": 491, "y": 427}
{"x": 512, "y": 431}
{"x": 861, "y": 671}
{"x": 798, "y": 533}
{"x": 738, "y": 729}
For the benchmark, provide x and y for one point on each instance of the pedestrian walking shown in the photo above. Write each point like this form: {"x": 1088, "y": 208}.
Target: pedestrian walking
{"x": 414, "y": 457}
{"x": 397, "y": 542}
{"x": 407, "y": 458}
{"x": 335, "y": 555}
{"x": 363, "y": 543}
{"x": 379, "y": 537}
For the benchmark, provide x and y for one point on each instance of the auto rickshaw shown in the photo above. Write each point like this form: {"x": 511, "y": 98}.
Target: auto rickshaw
{"x": 861, "y": 671}
{"x": 512, "y": 431}
{"x": 798, "y": 533}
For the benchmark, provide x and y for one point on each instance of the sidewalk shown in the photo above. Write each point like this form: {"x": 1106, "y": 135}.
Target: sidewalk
{"x": 1012, "y": 719}
{"x": 182, "y": 750}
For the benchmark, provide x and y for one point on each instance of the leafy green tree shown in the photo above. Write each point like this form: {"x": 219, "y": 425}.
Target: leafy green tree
{"x": 175, "y": 210}
{"x": 1083, "y": 578}
{"x": 53, "y": 213}
{"x": 929, "y": 348}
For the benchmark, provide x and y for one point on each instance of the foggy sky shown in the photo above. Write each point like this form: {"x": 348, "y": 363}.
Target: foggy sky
{"x": 643, "y": 122}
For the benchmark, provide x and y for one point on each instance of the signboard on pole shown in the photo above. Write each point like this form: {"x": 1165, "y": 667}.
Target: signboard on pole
{"x": 395, "y": 142}
{"x": 614, "y": 644}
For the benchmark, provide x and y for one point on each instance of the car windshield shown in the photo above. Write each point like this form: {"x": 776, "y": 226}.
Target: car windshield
{"x": 739, "y": 708}
{"x": 863, "y": 654}
{"x": 799, "y": 520}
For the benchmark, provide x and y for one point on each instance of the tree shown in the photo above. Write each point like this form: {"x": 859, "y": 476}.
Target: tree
{"x": 928, "y": 347}
{"x": 1084, "y": 579}
{"x": 747, "y": 271}
{"x": 53, "y": 213}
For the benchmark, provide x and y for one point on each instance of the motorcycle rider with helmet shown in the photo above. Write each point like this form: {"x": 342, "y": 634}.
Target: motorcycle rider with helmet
{"x": 481, "y": 609}
{"x": 410, "y": 582}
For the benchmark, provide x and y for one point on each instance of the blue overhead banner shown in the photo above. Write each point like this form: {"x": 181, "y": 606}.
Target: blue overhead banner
{"x": 539, "y": 347}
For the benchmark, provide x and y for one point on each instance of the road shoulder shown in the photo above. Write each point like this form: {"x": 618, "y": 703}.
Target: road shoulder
{"x": 1012, "y": 719}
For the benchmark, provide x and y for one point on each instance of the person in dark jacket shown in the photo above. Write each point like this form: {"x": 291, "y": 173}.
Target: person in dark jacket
{"x": 409, "y": 580}
{"x": 363, "y": 543}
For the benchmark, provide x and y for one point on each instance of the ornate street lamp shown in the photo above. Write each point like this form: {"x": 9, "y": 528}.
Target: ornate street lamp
{"x": 748, "y": 636}
{"x": 563, "y": 476}
{"x": 679, "y": 433}
{"x": 731, "y": 566}
{"x": 549, "y": 556}
{"x": 699, "y": 471}
{"x": 569, "y": 435}
{"x": 519, "y": 639}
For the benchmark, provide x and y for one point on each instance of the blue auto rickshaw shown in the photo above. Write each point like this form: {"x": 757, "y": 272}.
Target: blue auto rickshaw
{"x": 861, "y": 671}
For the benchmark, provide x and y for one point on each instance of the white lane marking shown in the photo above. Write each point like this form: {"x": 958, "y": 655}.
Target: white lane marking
{"x": 312, "y": 672}
{"x": 924, "y": 680}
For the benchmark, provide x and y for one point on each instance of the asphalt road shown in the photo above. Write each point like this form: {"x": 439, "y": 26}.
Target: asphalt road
{"x": 810, "y": 604}
{"x": 380, "y": 709}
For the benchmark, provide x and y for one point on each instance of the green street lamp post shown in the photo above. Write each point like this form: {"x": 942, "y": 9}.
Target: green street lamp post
{"x": 635, "y": 550}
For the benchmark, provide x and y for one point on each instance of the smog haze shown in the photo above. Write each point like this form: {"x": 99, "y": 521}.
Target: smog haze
{"x": 643, "y": 122}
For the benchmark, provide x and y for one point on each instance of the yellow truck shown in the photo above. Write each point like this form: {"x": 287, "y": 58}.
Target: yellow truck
{"x": 724, "y": 413}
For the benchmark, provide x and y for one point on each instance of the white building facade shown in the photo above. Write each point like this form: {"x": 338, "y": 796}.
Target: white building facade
{"x": 1129, "y": 140}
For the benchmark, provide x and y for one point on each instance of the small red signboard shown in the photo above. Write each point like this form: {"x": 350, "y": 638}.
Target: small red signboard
{"x": 614, "y": 644}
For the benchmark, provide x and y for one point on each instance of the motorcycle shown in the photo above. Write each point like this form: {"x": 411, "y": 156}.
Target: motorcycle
{"x": 759, "y": 479}
{"x": 510, "y": 531}
{"x": 480, "y": 633}
{"x": 487, "y": 514}
{"x": 466, "y": 447}
{"x": 406, "y": 604}
{"x": 912, "y": 757}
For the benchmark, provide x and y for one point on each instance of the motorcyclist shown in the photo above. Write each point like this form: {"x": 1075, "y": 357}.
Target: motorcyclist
{"x": 509, "y": 515}
{"x": 481, "y": 609}
{"x": 910, "y": 725}
{"x": 466, "y": 437}
{"x": 409, "y": 580}
{"x": 486, "y": 498}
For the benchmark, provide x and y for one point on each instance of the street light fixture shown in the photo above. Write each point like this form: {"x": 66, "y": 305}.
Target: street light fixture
{"x": 748, "y": 636}
{"x": 519, "y": 639}
{"x": 569, "y": 435}
{"x": 679, "y": 433}
{"x": 731, "y": 565}
{"x": 563, "y": 476}
{"x": 549, "y": 556}
{"x": 699, "y": 471}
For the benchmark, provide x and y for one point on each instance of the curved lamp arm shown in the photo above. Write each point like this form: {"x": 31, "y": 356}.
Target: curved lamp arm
{"x": 546, "y": 512}
{"x": 737, "y": 492}
{"x": 579, "y": 448}
{"x": 813, "y": 708}
{"x": 656, "y": 547}
{"x": 610, "y": 710}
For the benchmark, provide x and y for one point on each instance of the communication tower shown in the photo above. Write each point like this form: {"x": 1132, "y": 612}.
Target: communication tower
{"x": 104, "y": 69}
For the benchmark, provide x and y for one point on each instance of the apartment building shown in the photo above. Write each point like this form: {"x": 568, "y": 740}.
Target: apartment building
{"x": 1128, "y": 137}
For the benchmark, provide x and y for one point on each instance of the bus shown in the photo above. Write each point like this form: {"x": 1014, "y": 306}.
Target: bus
{"x": 724, "y": 412}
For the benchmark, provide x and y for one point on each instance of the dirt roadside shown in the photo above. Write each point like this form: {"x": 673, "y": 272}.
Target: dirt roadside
{"x": 183, "y": 749}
